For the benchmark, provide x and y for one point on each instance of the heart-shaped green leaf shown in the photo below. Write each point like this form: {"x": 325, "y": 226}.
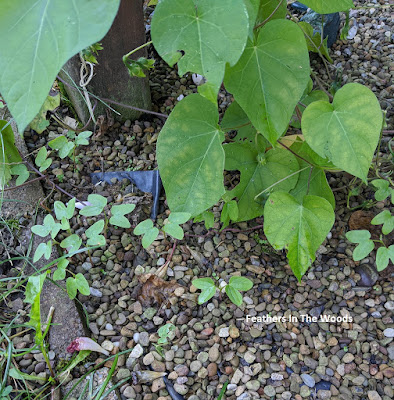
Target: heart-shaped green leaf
{"x": 272, "y": 9}
{"x": 41, "y": 230}
{"x": 60, "y": 272}
{"x": 36, "y": 47}
{"x": 95, "y": 229}
{"x": 382, "y": 257}
{"x": 72, "y": 243}
{"x": 366, "y": 245}
{"x": 386, "y": 219}
{"x": 82, "y": 138}
{"x": 258, "y": 175}
{"x": 71, "y": 287}
{"x": 193, "y": 175}
{"x": 298, "y": 227}
{"x": 122, "y": 209}
{"x": 97, "y": 202}
{"x": 346, "y": 131}
{"x": 22, "y": 172}
{"x": 273, "y": 71}
{"x": 82, "y": 284}
{"x": 147, "y": 229}
{"x": 43, "y": 249}
{"x": 329, "y": 6}
{"x": 384, "y": 190}
{"x": 229, "y": 212}
{"x": 210, "y": 32}
{"x": 98, "y": 240}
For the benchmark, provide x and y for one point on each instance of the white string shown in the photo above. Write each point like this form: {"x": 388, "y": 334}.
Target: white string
{"x": 86, "y": 75}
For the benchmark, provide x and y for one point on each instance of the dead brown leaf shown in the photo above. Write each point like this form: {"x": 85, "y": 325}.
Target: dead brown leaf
{"x": 361, "y": 219}
{"x": 156, "y": 290}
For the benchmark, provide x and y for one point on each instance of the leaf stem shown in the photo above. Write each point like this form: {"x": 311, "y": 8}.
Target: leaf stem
{"x": 269, "y": 17}
{"x": 293, "y": 152}
{"x": 126, "y": 56}
{"x": 281, "y": 180}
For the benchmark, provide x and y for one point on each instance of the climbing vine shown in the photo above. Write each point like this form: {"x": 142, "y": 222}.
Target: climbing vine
{"x": 263, "y": 61}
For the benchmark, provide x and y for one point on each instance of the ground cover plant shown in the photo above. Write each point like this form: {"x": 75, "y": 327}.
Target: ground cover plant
{"x": 281, "y": 176}
{"x": 262, "y": 59}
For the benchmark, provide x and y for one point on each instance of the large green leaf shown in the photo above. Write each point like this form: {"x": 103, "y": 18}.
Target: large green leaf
{"x": 310, "y": 182}
{"x": 346, "y": 131}
{"x": 298, "y": 227}
{"x": 272, "y": 9}
{"x": 252, "y": 7}
{"x": 329, "y": 6}
{"x": 258, "y": 174}
{"x": 270, "y": 77}
{"x": 210, "y": 32}
{"x": 40, "y": 122}
{"x": 191, "y": 157}
{"x": 8, "y": 152}
{"x": 39, "y": 37}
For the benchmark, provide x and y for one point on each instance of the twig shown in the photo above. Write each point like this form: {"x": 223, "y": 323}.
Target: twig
{"x": 23, "y": 184}
{"x": 269, "y": 17}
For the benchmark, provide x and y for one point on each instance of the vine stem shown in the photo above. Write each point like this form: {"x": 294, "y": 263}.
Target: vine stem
{"x": 24, "y": 184}
{"x": 136, "y": 49}
{"x": 269, "y": 17}
{"x": 293, "y": 152}
{"x": 281, "y": 180}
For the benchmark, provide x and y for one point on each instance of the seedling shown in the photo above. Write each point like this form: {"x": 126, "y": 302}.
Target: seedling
{"x": 164, "y": 333}
{"x": 233, "y": 288}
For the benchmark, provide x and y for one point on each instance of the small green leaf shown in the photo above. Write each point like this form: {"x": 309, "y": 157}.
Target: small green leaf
{"x": 46, "y": 164}
{"x": 97, "y": 202}
{"x": 95, "y": 229}
{"x": 208, "y": 218}
{"x": 240, "y": 283}
{"x": 52, "y": 225}
{"x": 149, "y": 237}
{"x": 314, "y": 42}
{"x": 82, "y": 284}
{"x": 382, "y": 258}
{"x": 60, "y": 272}
{"x": 61, "y": 210}
{"x": 143, "y": 227}
{"x": 365, "y": 244}
{"x": 58, "y": 142}
{"x": 41, "y": 230}
{"x": 66, "y": 150}
{"x": 122, "y": 209}
{"x": 174, "y": 230}
{"x": 120, "y": 220}
{"x": 165, "y": 330}
{"x": 40, "y": 122}
{"x": 147, "y": 229}
{"x": 71, "y": 286}
{"x": 137, "y": 67}
{"x": 229, "y": 212}
{"x": 82, "y": 138}
{"x": 203, "y": 283}
{"x": 98, "y": 240}
{"x": 234, "y": 295}
{"x": 72, "y": 243}
{"x": 386, "y": 219}
{"x": 384, "y": 189}
{"x": 70, "y": 208}
{"x": 43, "y": 249}
{"x": 22, "y": 171}
{"x": 206, "y": 294}
{"x": 41, "y": 156}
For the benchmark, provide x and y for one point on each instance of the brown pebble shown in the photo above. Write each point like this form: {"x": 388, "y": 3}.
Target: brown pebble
{"x": 212, "y": 369}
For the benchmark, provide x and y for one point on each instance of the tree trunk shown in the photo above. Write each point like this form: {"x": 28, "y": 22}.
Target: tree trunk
{"x": 111, "y": 78}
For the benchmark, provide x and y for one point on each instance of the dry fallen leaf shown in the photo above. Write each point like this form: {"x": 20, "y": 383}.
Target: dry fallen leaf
{"x": 156, "y": 290}
{"x": 361, "y": 219}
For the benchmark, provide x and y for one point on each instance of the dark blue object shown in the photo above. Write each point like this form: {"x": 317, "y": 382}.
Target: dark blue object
{"x": 331, "y": 24}
{"x": 171, "y": 391}
{"x": 146, "y": 181}
{"x": 299, "y": 6}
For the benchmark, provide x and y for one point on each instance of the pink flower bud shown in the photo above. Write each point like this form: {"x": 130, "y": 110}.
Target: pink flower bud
{"x": 85, "y": 343}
